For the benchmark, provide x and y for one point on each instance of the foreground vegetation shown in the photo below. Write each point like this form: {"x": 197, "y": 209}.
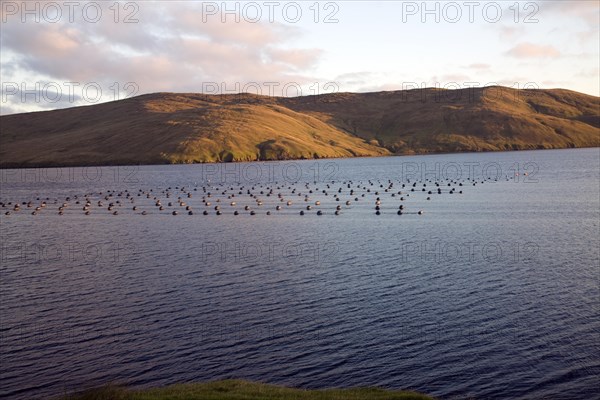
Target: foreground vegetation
{"x": 242, "y": 390}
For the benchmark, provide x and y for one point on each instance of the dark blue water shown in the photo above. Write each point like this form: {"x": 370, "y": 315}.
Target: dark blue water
{"x": 492, "y": 293}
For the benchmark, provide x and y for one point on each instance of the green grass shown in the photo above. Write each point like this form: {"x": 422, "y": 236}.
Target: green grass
{"x": 240, "y": 390}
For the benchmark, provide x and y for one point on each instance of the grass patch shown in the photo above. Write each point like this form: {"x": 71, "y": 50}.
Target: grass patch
{"x": 240, "y": 390}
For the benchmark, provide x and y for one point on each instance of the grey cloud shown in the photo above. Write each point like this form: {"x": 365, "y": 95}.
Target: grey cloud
{"x": 167, "y": 50}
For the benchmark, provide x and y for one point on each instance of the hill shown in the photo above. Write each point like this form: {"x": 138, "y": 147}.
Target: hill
{"x": 186, "y": 128}
{"x": 485, "y": 119}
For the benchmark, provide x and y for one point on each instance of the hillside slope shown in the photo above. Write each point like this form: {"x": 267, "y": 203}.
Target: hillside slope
{"x": 186, "y": 128}
{"x": 433, "y": 120}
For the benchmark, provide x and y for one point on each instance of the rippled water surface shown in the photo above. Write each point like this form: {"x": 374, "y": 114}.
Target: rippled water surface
{"x": 490, "y": 293}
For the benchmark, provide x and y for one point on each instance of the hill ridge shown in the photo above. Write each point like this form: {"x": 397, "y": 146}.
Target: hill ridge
{"x": 171, "y": 127}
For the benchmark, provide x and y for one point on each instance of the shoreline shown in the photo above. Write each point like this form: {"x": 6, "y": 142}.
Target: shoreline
{"x": 240, "y": 389}
{"x": 8, "y": 166}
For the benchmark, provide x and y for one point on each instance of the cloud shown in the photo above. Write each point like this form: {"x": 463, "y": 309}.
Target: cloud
{"x": 356, "y": 81}
{"x": 591, "y": 35}
{"x": 450, "y": 81}
{"x": 41, "y": 96}
{"x": 354, "y": 75}
{"x": 510, "y": 32}
{"x": 295, "y": 58}
{"x": 589, "y": 73}
{"x": 167, "y": 49}
{"x": 588, "y": 11}
{"x": 530, "y": 50}
{"x": 7, "y": 110}
{"x": 479, "y": 66}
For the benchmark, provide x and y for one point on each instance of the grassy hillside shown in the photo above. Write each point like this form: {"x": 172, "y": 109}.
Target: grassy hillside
{"x": 250, "y": 129}
{"x": 434, "y": 120}
{"x": 186, "y": 128}
{"x": 232, "y": 390}
{"x": 172, "y": 128}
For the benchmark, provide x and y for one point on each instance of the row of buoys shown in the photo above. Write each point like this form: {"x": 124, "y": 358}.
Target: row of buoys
{"x": 115, "y": 199}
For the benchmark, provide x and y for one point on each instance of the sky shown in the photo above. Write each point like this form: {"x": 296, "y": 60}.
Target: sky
{"x": 58, "y": 54}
